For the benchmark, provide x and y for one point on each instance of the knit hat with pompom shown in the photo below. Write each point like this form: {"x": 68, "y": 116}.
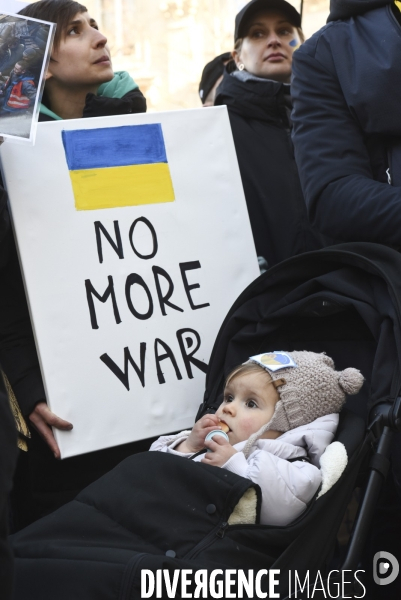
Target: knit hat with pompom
{"x": 310, "y": 389}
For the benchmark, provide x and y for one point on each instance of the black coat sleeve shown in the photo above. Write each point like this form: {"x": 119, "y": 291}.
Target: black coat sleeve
{"x": 4, "y": 227}
{"x": 18, "y": 357}
{"x": 100, "y": 106}
{"x": 8, "y": 457}
{"x": 343, "y": 199}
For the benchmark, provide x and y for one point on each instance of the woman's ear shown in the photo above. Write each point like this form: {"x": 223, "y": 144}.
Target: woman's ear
{"x": 49, "y": 73}
{"x": 235, "y": 56}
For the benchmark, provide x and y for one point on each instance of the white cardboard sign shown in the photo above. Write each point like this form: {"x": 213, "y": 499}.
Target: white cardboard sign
{"x": 126, "y": 300}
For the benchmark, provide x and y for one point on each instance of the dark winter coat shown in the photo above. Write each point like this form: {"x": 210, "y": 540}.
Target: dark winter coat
{"x": 259, "y": 116}
{"x": 42, "y": 483}
{"x": 8, "y": 456}
{"x": 347, "y": 122}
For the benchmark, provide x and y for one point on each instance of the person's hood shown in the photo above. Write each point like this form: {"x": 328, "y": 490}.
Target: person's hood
{"x": 121, "y": 84}
{"x": 314, "y": 437}
{"x": 344, "y": 9}
{"x": 251, "y": 96}
{"x": 308, "y": 440}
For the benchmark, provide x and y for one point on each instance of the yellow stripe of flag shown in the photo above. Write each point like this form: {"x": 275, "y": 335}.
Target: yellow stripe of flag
{"x": 122, "y": 186}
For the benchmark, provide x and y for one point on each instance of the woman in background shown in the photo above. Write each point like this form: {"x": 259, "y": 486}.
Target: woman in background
{"x": 257, "y": 95}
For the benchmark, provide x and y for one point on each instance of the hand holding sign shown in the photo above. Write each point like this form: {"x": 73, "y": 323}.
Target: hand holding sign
{"x": 43, "y": 419}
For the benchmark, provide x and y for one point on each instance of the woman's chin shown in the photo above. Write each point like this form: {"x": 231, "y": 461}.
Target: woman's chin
{"x": 104, "y": 74}
{"x": 276, "y": 74}
{"x": 107, "y": 76}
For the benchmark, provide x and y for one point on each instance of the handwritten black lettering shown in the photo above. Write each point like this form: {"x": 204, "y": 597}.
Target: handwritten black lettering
{"x": 188, "y": 266}
{"x": 90, "y": 292}
{"x": 123, "y": 376}
{"x": 189, "y": 358}
{"x": 132, "y": 279}
{"x": 164, "y": 300}
{"x": 159, "y": 357}
{"x": 154, "y": 238}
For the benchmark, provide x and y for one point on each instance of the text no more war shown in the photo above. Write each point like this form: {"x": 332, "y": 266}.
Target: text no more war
{"x": 184, "y": 343}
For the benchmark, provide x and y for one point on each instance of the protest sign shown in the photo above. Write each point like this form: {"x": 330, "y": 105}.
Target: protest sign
{"x": 134, "y": 239}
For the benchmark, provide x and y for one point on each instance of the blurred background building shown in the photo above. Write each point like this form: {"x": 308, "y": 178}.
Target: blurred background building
{"x": 165, "y": 44}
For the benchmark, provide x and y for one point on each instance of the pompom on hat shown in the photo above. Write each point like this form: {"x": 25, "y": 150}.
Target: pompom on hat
{"x": 311, "y": 388}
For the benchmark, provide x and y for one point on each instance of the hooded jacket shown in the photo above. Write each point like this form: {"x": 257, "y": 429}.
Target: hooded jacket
{"x": 287, "y": 483}
{"x": 347, "y": 122}
{"x": 259, "y": 115}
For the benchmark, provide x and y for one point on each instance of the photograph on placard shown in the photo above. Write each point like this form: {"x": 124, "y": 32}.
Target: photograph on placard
{"x": 24, "y": 55}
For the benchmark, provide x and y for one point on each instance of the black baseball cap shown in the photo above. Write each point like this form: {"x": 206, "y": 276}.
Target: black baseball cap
{"x": 212, "y": 71}
{"x": 255, "y": 6}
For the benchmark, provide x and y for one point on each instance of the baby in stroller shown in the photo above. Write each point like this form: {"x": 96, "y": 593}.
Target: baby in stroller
{"x": 280, "y": 412}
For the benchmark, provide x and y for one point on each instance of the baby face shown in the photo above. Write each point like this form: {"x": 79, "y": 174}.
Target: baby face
{"x": 249, "y": 402}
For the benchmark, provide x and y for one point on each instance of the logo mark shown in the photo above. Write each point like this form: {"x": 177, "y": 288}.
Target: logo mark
{"x": 385, "y": 568}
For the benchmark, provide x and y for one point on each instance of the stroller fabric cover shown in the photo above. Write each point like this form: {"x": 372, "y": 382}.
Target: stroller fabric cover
{"x": 159, "y": 511}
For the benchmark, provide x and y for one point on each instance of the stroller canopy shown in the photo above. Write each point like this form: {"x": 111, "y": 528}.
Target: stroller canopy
{"x": 344, "y": 300}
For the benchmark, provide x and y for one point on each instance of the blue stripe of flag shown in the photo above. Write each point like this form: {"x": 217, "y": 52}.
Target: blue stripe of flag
{"x": 114, "y": 146}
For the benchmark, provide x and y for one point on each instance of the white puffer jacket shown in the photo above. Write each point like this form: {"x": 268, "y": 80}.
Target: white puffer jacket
{"x": 287, "y": 487}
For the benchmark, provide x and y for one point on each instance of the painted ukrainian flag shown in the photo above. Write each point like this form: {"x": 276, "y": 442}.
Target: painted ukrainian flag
{"x": 118, "y": 166}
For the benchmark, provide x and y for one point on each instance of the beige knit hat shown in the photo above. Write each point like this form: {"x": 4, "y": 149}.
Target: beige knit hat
{"x": 311, "y": 389}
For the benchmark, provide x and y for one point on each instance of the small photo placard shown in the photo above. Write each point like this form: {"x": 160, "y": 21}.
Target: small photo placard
{"x": 25, "y": 46}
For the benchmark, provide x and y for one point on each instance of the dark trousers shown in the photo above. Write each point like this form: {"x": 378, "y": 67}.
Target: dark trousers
{"x": 8, "y": 455}
{"x": 43, "y": 484}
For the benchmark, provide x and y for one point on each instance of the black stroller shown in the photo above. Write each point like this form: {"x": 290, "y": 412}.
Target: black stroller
{"x": 344, "y": 300}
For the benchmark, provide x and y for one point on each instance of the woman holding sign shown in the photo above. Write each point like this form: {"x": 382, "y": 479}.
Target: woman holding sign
{"x": 80, "y": 82}
{"x": 257, "y": 95}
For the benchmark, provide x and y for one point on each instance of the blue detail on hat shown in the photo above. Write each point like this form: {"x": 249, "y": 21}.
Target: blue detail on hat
{"x": 274, "y": 361}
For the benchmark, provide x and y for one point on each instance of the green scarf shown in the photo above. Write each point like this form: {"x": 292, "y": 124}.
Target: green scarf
{"x": 121, "y": 84}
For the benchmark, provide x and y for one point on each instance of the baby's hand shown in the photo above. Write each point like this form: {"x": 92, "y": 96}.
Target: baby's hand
{"x": 221, "y": 451}
{"x": 196, "y": 439}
